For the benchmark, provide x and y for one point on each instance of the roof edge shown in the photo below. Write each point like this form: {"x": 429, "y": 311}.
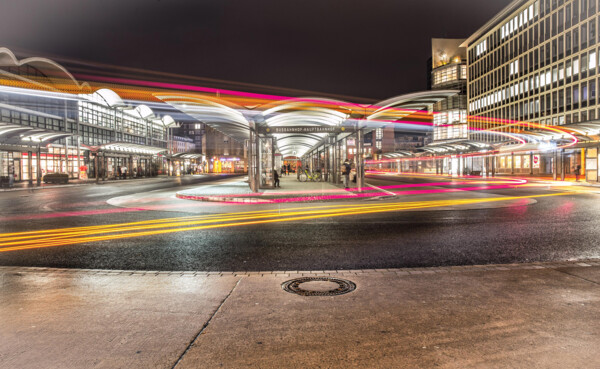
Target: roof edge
{"x": 494, "y": 21}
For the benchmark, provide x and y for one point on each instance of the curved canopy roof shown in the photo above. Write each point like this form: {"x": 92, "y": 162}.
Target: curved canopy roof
{"x": 219, "y": 114}
{"x": 328, "y": 113}
{"x": 111, "y": 99}
{"x": 231, "y": 119}
{"x": 56, "y": 77}
{"x": 308, "y": 111}
{"x": 401, "y": 106}
{"x": 127, "y": 147}
{"x": 188, "y": 155}
{"x": 18, "y": 134}
{"x": 106, "y": 97}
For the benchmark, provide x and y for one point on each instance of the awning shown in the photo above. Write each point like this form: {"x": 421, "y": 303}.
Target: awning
{"x": 13, "y": 134}
{"x": 187, "y": 155}
{"x": 131, "y": 148}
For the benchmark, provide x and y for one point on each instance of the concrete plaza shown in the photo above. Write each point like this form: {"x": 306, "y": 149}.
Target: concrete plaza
{"x": 539, "y": 315}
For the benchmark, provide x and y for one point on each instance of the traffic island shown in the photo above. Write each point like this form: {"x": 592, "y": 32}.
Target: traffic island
{"x": 291, "y": 190}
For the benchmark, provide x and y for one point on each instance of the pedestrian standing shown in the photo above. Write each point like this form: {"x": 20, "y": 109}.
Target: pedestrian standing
{"x": 577, "y": 172}
{"x": 346, "y": 173}
{"x": 276, "y": 179}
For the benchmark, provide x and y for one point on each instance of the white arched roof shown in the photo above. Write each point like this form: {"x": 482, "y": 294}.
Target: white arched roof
{"x": 305, "y": 111}
{"x": 219, "y": 114}
{"x": 50, "y": 68}
{"x": 144, "y": 111}
{"x": 402, "y": 106}
{"x": 106, "y": 97}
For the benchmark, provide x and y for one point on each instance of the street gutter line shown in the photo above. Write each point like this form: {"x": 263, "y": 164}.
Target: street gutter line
{"x": 576, "y": 276}
{"x": 382, "y": 190}
{"x": 191, "y": 344}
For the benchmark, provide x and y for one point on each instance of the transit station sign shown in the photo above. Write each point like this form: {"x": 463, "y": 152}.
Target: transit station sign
{"x": 307, "y": 129}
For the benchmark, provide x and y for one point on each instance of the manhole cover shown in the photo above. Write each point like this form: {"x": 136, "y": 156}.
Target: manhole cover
{"x": 318, "y": 286}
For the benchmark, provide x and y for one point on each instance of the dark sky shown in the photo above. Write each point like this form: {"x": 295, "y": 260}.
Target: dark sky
{"x": 370, "y": 48}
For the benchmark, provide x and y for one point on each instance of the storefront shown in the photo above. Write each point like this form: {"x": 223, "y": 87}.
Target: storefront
{"x": 293, "y": 162}
{"x": 187, "y": 163}
{"x": 51, "y": 160}
{"x": 591, "y": 164}
{"x": 527, "y": 164}
{"x": 226, "y": 165}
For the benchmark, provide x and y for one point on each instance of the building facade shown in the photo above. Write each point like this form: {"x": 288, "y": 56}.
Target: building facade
{"x": 51, "y": 123}
{"x": 179, "y": 144}
{"x": 535, "y": 62}
{"x": 193, "y": 130}
{"x": 449, "y": 72}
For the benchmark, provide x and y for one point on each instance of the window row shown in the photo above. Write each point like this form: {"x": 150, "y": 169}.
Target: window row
{"x": 562, "y": 17}
{"x": 572, "y": 41}
{"x": 583, "y": 65}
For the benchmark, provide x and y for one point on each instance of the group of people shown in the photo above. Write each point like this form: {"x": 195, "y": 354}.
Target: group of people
{"x": 286, "y": 169}
{"x": 122, "y": 172}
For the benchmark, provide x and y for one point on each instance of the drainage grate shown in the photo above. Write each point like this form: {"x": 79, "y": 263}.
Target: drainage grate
{"x": 318, "y": 286}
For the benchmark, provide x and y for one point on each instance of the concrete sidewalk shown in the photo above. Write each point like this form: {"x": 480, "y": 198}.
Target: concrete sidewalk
{"x": 290, "y": 190}
{"x": 24, "y": 186}
{"x": 540, "y": 315}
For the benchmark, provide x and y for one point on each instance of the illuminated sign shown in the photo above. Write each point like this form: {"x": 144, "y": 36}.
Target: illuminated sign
{"x": 307, "y": 129}
{"x": 536, "y": 161}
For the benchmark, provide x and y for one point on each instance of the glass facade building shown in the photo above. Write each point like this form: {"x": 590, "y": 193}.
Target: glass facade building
{"x": 49, "y": 123}
{"x": 536, "y": 61}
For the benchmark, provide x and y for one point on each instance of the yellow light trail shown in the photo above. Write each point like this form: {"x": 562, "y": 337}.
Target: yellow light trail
{"x": 76, "y": 235}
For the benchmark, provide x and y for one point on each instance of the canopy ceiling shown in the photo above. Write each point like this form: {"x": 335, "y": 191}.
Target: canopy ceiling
{"x": 236, "y": 121}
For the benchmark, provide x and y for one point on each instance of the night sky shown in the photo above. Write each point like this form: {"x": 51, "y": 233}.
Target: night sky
{"x": 372, "y": 48}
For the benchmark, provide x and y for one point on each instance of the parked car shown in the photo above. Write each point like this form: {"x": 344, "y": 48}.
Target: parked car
{"x": 56, "y": 178}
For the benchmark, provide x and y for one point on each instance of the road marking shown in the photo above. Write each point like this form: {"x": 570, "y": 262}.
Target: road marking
{"x": 382, "y": 190}
{"x": 70, "y": 236}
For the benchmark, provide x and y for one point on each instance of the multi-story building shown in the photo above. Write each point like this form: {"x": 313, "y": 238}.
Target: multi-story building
{"x": 535, "y": 61}
{"x": 195, "y": 131}
{"x": 209, "y": 141}
{"x": 179, "y": 144}
{"x": 449, "y": 72}
{"x": 51, "y": 123}
{"x": 406, "y": 142}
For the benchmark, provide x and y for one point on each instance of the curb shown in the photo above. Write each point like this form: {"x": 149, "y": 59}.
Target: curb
{"x": 222, "y": 199}
{"x": 92, "y": 182}
{"x": 249, "y": 200}
{"x": 314, "y": 273}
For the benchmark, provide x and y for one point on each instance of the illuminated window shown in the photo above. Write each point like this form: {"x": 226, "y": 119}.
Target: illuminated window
{"x": 448, "y": 75}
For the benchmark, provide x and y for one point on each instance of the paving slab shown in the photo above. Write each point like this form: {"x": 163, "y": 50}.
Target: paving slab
{"x": 81, "y": 320}
{"x": 590, "y": 274}
{"x": 483, "y": 319}
{"x": 469, "y": 317}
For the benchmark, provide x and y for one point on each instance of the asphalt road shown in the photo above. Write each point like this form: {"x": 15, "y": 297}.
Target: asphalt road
{"x": 554, "y": 228}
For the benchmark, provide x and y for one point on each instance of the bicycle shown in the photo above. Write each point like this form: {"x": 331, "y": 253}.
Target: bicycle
{"x": 313, "y": 177}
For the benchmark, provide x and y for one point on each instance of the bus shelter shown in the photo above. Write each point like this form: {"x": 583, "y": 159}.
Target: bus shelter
{"x": 322, "y": 133}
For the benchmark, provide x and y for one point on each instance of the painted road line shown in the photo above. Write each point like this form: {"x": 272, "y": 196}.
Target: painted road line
{"x": 236, "y": 220}
{"x": 390, "y": 193}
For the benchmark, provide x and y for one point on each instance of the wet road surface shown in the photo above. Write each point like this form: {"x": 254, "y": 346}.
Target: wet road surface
{"x": 554, "y": 228}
